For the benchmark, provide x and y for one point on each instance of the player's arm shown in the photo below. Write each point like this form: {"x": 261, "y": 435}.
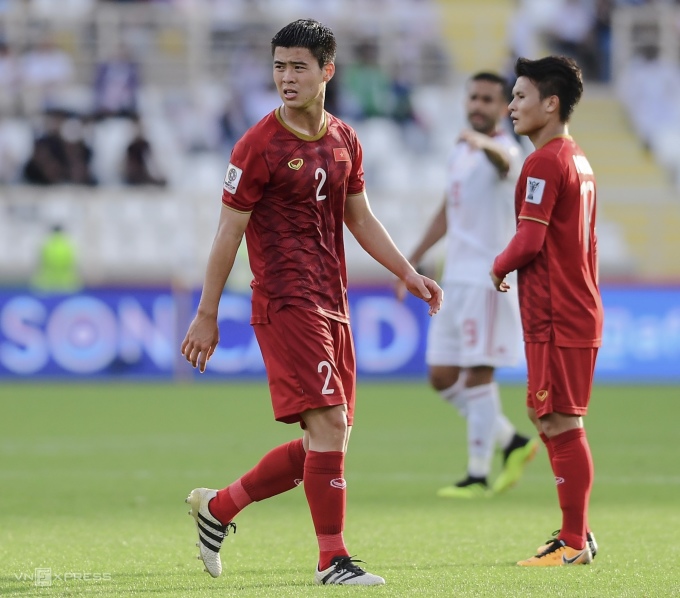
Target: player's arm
{"x": 435, "y": 231}
{"x": 203, "y": 334}
{"x": 375, "y": 240}
{"x": 496, "y": 153}
{"x": 523, "y": 248}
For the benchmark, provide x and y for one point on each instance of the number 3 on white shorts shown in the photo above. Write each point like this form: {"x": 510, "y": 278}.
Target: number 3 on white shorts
{"x": 326, "y": 365}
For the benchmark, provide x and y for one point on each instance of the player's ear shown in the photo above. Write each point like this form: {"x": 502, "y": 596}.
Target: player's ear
{"x": 328, "y": 72}
{"x": 552, "y": 104}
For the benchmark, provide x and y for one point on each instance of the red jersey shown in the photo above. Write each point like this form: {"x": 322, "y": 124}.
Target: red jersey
{"x": 295, "y": 187}
{"x": 558, "y": 290}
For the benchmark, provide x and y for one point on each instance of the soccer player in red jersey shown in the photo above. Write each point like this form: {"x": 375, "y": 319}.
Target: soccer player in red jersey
{"x": 292, "y": 182}
{"x": 555, "y": 254}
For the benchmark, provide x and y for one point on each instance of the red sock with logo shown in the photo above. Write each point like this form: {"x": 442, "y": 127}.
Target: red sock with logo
{"x": 573, "y": 468}
{"x": 325, "y": 490}
{"x": 281, "y": 469}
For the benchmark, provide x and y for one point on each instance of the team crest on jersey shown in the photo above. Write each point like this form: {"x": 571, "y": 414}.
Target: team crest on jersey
{"x": 232, "y": 179}
{"x": 296, "y": 163}
{"x": 341, "y": 154}
{"x": 535, "y": 188}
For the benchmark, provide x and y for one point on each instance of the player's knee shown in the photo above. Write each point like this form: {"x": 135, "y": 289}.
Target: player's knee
{"x": 479, "y": 376}
{"x": 531, "y": 413}
{"x": 557, "y": 423}
{"x": 443, "y": 378}
{"x": 329, "y": 424}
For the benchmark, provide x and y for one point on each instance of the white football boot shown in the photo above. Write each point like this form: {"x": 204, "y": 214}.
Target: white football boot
{"x": 211, "y": 532}
{"x": 345, "y": 572}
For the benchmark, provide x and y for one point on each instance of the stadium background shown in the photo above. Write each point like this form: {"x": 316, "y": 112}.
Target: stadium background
{"x": 204, "y": 71}
{"x": 104, "y": 429}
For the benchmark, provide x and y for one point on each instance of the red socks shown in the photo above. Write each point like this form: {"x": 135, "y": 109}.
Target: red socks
{"x": 281, "y": 469}
{"x": 284, "y": 468}
{"x": 325, "y": 491}
{"x": 573, "y": 468}
{"x": 548, "y": 447}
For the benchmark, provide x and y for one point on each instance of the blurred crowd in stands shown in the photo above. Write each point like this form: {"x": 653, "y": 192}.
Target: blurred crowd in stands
{"x": 54, "y": 117}
{"x": 61, "y": 123}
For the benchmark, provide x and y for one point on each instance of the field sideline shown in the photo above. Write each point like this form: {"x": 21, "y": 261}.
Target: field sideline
{"x": 93, "y": 479}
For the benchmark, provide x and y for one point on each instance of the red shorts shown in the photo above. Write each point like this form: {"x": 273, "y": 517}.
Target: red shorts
{"x": 559, "y": 378}
{"x": 309, "y": 360}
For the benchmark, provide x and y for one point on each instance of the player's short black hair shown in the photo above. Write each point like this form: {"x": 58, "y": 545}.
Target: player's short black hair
{"x": 554, "y": 76}
{"x": 310, "y": 34}
{"x": 492, "y": 78}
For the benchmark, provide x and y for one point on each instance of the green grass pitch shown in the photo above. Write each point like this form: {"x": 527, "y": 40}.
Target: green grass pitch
{"x": 93, "y": 479}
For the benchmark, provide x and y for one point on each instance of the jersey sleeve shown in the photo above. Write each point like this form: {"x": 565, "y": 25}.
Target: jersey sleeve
{"x": 541, "y": 180}
{"x": 247, "y": 175}
{"x": 356, "y": 183}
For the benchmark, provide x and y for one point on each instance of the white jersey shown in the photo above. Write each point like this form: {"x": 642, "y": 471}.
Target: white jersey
{"x": 480, "y": 211}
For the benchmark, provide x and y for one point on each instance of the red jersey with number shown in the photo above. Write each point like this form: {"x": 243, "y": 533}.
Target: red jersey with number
{"x": 295, "y": 187}
{"x": 558, "y": 290}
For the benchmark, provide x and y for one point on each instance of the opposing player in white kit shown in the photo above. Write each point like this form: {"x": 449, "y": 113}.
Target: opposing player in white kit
{"x": 478, "y": 328}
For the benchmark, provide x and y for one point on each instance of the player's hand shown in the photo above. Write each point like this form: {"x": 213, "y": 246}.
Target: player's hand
{"x": 201, "y": 341}
{"x": 426, "y": 289}
{"x": 473, "y": 138}
{"x": 400, "y": 290}
{"x": 499, "y": 283}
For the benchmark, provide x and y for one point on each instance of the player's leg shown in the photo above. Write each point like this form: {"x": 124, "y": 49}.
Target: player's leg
{"x": 328, "y": 429}
{"x": 573, "y": 469}
{"x": 474, "y": 395}
{"x": 483, "y": 333}
{"x": 500, "y": 329}
{"x": 560, "y": 381}
{"x": 280, "y": 470}
{"x": 325, "y": 485}
{"x": 448, "y": 379}
{"x": 480, "y": 396}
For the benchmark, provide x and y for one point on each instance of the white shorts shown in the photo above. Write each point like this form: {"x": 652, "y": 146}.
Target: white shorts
{"x": 475, "y": 326}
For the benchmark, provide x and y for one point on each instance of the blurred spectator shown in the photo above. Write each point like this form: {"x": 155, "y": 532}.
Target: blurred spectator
{"x": 9, "y": 80}
{"x": 46, "y": 71}
{"x": 251, "y": 67}
{"x": 60, "y": 154}
{"x": 116, "y": 85}
{"x": 523, "y": 33}
{"x": 649, "y": 88}
{"x": 139, "y": 166}
{"x": 571, "y": 33}
{"x": 603, "y": 38}
{"x": 57, "y": 269}
{"x": 233, "y": 122}
{"x": 15, "y": 144}
{"x": 367, "y": 87}
{"x": 79, "y": 150}
{"x": 369, "y": 91}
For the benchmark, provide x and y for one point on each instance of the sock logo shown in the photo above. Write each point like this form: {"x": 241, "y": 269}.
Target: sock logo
{"x": 339, "y": 483}
{"x": 297, "y": 481}
{"x": 558, "y": 481}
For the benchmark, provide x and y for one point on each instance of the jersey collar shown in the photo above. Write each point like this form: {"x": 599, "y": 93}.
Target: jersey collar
{"x": 299, "y": 135}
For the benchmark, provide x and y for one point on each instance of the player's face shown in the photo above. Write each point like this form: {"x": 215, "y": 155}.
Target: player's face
{"x": 527, "y": 111}
{"x": 485, "y": 105}
{"x": 299, "y": 79}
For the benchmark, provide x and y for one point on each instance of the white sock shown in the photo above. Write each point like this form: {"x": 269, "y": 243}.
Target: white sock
{"x": 505, "y": 431}
{"x": 482, "y": 413}
{"x": 453, "y": 395}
